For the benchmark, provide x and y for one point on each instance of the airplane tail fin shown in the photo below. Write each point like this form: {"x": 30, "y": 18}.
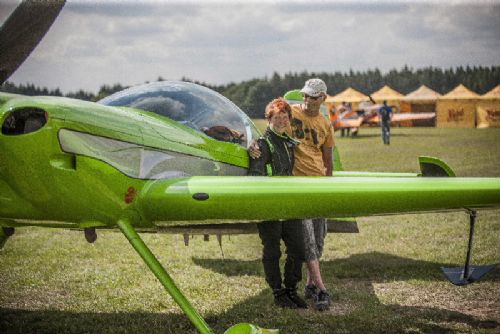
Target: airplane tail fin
{"x": 430, "y": 166}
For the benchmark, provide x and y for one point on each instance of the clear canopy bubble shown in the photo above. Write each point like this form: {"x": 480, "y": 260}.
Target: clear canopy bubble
{"x": 192, "y": 105}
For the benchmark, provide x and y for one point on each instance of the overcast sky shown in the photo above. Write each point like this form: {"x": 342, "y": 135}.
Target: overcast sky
{"x": 95, "y": 42}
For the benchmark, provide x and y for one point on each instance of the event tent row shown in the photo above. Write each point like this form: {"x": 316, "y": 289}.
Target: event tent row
{"x": 459, "y": 108}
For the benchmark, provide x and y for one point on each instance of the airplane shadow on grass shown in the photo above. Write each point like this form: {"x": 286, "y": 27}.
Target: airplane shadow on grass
{"x": 353, "y": 292}
{"x": 55, "y": 321}
{"x": 353, "y": 289}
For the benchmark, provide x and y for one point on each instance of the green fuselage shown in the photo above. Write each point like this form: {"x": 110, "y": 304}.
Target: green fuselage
{"x": 67, "y": 172}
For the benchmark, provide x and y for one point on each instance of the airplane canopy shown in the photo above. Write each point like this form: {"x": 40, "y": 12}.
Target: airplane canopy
{"x": 192, "y": 105}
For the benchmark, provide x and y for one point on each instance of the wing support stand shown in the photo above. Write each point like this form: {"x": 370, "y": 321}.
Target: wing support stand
{"x": 469, "y": 273}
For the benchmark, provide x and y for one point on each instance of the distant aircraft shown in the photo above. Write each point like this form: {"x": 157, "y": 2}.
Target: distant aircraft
{"x": 367, "y": 113}
{"x": 352, "y": 120}
{"x": 160, "y": 153}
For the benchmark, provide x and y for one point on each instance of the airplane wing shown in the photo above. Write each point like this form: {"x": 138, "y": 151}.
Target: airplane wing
{"x": 349, "y": 123}
{"x": 152, "y": 203}
{"x": 399, "y": 117}
{"x": 264, "y": 198}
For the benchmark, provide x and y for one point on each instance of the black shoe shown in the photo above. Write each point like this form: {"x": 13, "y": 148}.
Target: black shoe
{"x": 294, "y": 297}
{"x": 281, "y": 299}
{"x": 323, "y": 301}
{"x": 311, "y": 292}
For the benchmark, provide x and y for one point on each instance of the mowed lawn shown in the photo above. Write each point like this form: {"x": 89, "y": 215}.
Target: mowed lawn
{"x": 386, "y": 279}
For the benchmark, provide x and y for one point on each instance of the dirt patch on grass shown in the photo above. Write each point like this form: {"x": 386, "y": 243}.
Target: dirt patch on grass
{"x": 36, "y": 299}
{"x": 481, "y": 301}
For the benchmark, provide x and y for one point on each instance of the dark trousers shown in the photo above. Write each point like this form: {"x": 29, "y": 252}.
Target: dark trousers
{"x": 386, "y": 132}
{"x": 271, "y": 233}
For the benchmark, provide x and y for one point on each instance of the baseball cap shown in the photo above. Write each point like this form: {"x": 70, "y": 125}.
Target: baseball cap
{"x": 314, "y": 87}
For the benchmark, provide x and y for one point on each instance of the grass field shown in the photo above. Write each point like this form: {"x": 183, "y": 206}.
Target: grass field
{"x": 386, "y": 279}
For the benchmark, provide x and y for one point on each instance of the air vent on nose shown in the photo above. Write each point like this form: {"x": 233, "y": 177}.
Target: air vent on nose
{"x": 23, "y": 121}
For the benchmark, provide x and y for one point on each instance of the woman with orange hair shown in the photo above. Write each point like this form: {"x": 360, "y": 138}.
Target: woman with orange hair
{"x": 276, "y": 159}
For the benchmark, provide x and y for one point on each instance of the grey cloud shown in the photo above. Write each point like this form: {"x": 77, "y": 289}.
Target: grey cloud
{"x": 222, "y": 42}
{"x": 454, "y": 21}
{"x": 129, "y": 9}
{"x": 346, "y": 8}
{"x": 233, "y": 27}
{"x": 484, "y": 30}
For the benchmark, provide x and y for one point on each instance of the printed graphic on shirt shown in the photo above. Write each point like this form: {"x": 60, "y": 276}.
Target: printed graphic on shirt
{"x": 313, "y": 132}
{"x": 297, "y": 129}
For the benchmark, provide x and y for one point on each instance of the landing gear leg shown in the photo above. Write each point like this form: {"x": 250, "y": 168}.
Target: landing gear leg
{"x": 469, "y": 273}
{"x": 162, "y": 275}
{"x": 165, "y": 279}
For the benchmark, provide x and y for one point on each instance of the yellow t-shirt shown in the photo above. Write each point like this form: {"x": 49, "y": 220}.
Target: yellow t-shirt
{"x": 313, "y": 132}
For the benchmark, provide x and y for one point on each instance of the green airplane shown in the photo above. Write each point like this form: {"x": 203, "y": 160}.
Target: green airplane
{"x": 160, "y": 153}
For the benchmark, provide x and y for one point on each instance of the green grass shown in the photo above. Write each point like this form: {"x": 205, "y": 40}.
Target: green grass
{"x": 386, "y": 279}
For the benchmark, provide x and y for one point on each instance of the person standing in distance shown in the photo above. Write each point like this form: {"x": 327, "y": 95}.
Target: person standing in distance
{"x": 385, "y": 113}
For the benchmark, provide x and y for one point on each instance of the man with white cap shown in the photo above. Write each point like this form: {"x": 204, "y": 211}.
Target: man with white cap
{"x": 313, "y": 157}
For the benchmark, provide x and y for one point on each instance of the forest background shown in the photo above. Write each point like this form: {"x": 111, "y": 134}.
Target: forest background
{"x": 253, "y": 95}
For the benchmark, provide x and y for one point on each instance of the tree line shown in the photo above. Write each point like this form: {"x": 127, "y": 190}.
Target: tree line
{"x": 253, "y": 95}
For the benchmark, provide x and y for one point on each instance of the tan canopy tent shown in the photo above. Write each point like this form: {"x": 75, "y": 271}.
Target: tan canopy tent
{"x": 488, "y": 109}
{"x": 422, "y": 95}
{"x": 457, "y": 109}
{"x": 421, "y": 100}
{"x": 388, "y": 94}
{"x": 350, "y": 95}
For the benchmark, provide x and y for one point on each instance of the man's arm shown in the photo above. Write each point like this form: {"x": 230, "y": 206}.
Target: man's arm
{"x": 327, "y": 151}
{"x": 327, "y": 159}
{"x": 254, "y": 150}
{"x": 257, "y": 166}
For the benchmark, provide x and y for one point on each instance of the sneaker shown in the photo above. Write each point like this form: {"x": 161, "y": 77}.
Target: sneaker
{"x": 294, "y": 297}
{"x": 281, "y": 299}
{"x": 323, "y": 301}
{"x": 311, "y": 292}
